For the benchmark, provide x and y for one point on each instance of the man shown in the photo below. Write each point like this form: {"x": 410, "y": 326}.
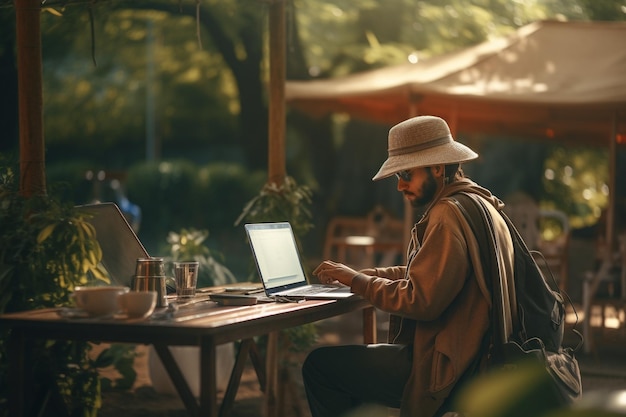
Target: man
{"x": 439, "y": 302}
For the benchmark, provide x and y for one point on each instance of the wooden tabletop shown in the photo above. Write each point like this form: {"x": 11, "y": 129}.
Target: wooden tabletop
{"x": 220, "y": 323}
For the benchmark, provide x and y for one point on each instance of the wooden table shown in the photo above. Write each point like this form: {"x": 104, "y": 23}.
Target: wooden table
{"x": 205, "y": 326}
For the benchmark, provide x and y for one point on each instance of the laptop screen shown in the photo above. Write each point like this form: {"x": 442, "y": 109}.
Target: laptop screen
{"x": 276, "y": 255}
{"x": 119, "y": 243}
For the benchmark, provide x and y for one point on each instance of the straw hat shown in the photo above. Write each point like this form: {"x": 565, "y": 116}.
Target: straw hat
{"x": 422, "y": 141}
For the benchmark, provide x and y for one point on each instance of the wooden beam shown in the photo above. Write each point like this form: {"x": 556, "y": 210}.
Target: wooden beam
{"x": 30, "y": 95}
{"x": 276, "y": 158}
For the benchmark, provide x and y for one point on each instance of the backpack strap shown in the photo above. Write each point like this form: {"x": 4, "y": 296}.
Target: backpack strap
{"x": 481, "y": 223}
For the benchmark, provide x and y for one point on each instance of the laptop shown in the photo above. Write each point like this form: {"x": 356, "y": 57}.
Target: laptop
{"x": 120, "y": 245}
{"x": 277, "y": 259}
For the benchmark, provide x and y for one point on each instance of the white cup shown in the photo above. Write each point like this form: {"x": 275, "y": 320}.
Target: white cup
{"x": 138, "y": 304}
{"x": 98, "y": 301}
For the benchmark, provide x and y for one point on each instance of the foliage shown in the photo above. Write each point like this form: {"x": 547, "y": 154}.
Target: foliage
{"x": 46, "y": 249}
{"x": 285, "y": 202}
{"x": 576, "y": 182}
{"x": 345, "y": 36}
{"x": 122, "y": 357}
{"x": 189, "y": 245}
{"x": 138, "y": 56}
{"x": 520, "y": 391}
{"x": 527, "y": 390}
{"x": 606, "y": 10}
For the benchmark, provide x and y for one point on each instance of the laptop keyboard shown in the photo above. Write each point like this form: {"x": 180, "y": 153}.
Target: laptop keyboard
{"x": 314, "y": 290}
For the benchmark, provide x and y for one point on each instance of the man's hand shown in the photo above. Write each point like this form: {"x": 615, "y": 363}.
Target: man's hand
{"x": 328, "y": 272}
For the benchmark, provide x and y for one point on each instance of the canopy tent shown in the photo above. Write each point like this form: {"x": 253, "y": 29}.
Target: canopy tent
{"x": 561, "y": 80}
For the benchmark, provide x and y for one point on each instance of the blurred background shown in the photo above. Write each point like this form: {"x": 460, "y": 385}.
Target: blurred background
{"x": 162, "y": 107}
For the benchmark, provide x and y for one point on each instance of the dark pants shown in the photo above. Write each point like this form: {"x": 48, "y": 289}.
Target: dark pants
{"x": 341, "y": 378}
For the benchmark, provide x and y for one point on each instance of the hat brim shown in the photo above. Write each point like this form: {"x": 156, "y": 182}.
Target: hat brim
{"x": 450, "y": 153}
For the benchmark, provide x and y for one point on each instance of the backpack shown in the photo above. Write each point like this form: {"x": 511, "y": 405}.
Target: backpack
{"x": 538, "y": 331}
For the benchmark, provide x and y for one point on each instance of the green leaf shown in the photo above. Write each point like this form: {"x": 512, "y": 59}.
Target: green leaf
{"x": 104, "y": 359}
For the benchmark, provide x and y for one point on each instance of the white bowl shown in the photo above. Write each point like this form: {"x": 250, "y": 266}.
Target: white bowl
{"x": 98, "y": 301}
{"x": 138, "y": 304}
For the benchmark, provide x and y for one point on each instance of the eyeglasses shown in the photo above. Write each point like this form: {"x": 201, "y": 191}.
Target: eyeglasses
{"x": 404, "y": 175}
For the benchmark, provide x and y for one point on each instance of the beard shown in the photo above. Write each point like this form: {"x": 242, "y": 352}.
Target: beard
{"x": 429, "y": 189}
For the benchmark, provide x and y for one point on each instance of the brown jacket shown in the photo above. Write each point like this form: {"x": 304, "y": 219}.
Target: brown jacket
{"x": 444, "y": 308}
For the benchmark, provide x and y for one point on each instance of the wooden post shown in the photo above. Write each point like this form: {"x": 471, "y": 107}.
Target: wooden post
{"x": 30, "y": 93}
{"x": 272, "y": 388}
{"x": 276, "y": 158}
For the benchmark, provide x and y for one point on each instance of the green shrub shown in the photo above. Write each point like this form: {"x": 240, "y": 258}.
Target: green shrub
{"x": 166, "y": 192}
{"x": 225, "y": 189}
{"x": 68, "y": 181}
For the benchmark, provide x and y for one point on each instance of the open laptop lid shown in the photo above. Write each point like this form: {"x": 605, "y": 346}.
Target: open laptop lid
{"x": 120, "y": 245}
{"x": 276, "y": 256}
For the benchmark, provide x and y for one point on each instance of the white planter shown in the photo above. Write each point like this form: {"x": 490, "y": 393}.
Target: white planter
{"x": 188, "y": 360}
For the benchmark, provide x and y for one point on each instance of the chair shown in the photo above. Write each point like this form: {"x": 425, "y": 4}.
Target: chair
{"x": 555, "y": 249}
{"x": 524, "y": 213}
{"x": 604, "y": 298}
{"x": 338, "y": 230}
{"x": 361, "y": 242}
{"x": 529, "y": 220}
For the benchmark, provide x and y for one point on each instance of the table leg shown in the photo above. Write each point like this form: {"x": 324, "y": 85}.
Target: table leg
{"x": 179, "y": 381}
{"x": 17, "y": 374}
{"x": 235, "y": 377}
{"x": 271, "y": 369}
{"x": 208, "y": 379}
{"x": 369, "y": 325}
{"x": 258, "y": 364}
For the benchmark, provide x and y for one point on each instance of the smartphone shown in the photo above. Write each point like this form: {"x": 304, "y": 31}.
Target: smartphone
{"x": 233, "y": 299}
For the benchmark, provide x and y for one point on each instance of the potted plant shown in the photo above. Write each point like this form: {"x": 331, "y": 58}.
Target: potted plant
{"x": 189, "y": 245}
